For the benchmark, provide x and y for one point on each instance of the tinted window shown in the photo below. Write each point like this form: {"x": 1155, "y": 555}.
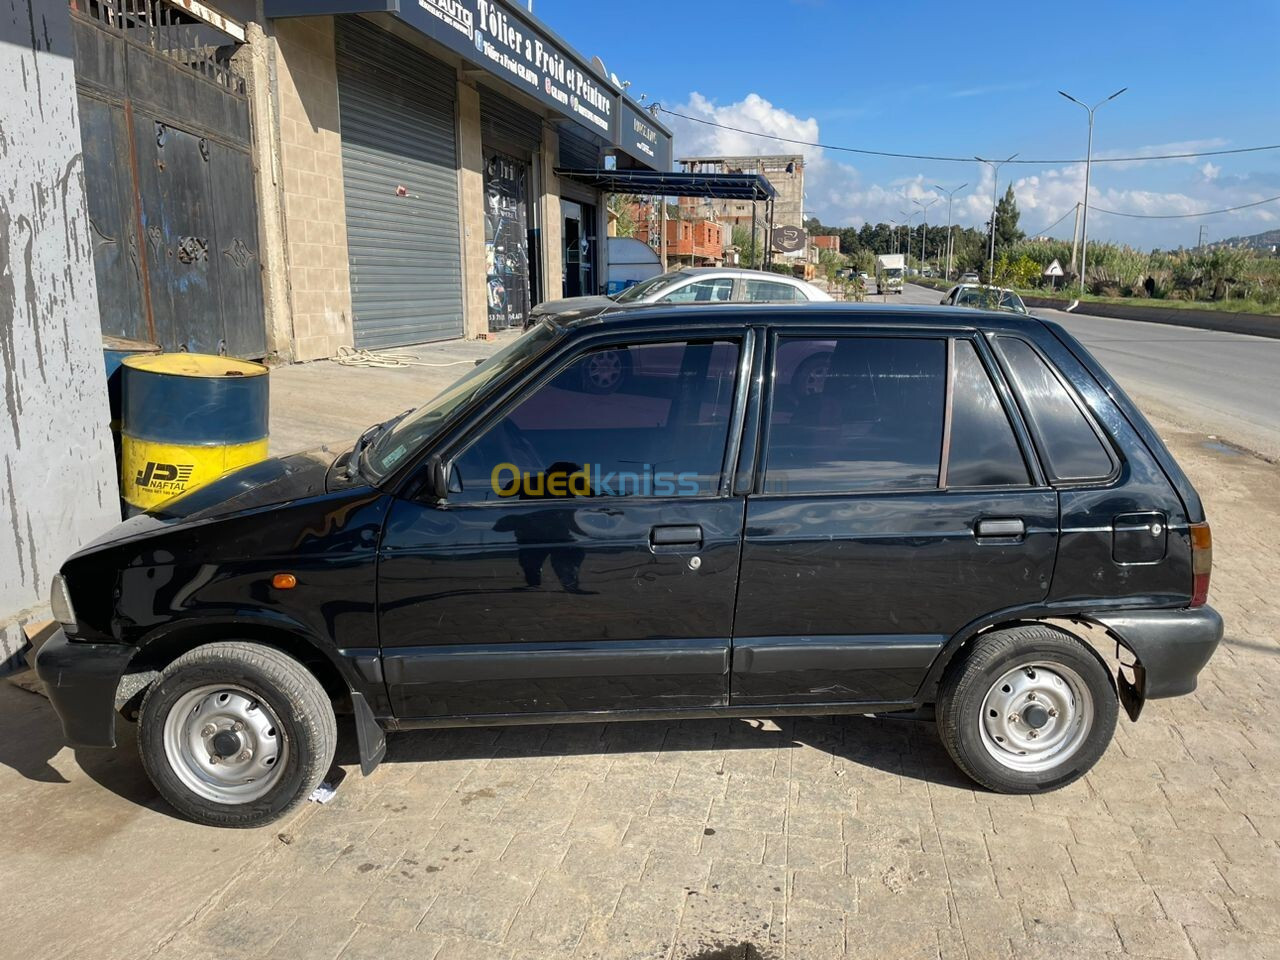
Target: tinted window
{"x": 1063, "y": 433}
{"x": 984, "y": 451}
{"x": 648, "y": 420}
{"x": 702, "y": 291}
{"x": 770, "y": 291}
{"x": 857, "y": 413}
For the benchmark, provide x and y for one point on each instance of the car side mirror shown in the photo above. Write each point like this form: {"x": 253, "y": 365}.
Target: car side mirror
{"x": 436, "y": 485}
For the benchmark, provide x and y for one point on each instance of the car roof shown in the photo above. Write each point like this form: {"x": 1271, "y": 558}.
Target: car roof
{"x": 737, "y": 272}
{"x": 641, "y": 317}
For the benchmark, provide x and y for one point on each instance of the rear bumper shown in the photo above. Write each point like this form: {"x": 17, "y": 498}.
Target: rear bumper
{"x": 81, "y": 680}
{"x": 1172, "y": 646}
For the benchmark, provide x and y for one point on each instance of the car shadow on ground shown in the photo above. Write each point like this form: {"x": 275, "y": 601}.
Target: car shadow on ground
{"x": 888, "y": 745}
{"x": 902, "y": 747}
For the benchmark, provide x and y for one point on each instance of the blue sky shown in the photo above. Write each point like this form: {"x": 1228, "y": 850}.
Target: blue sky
{"x": 940, "y": 78}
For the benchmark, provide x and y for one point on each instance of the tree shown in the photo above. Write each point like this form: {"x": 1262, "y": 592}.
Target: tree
{"x": 623, "y": 206}
{"x": 1007, "y": 232}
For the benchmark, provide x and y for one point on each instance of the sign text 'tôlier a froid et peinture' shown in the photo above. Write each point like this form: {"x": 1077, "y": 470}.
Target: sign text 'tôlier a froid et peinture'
{"x": 488, "y": 33}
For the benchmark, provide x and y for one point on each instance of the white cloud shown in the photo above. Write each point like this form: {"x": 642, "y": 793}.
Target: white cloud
{"x": 839, "y": 193}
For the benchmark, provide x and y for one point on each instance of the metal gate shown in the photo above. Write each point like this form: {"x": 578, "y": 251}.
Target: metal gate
{"x": 399, "y": 171}
{"x": 169, "y": 179}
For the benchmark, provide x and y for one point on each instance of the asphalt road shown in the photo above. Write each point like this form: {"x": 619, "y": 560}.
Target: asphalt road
{"x": 1224, "y": 385}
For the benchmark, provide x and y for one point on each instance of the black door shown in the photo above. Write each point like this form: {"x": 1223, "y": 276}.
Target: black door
{"x": 588, "y": 558}
{"x": 895, "y": 506}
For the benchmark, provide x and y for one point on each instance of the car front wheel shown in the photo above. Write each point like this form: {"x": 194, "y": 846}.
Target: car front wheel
{"x": 236, "y": 734}
{"x": 1028, "y": 709}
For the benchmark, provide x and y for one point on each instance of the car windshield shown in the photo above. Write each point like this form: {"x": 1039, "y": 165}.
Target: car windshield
{"x": 407, "y": 436}
{"x": 644, "y": 288}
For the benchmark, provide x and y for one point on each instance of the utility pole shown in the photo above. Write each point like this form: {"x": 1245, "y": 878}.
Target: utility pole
{"x": 950, "y": 194}
{"x": 924, "y": 227}
{"x": 995, "y": 166}
{"x": 1200, "y": 239}
{"x": 893, "y": 235}
{"x": 1075, "y": 238}
{"x": 1088, "y": 167}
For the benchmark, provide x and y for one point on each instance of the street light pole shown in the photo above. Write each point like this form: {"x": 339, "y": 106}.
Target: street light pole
{"x": 924, "y": 227}
{"x": 950, "y": 194}
{"x": 907, "y": 226}
{"x": 1088, "y": 167}
{"x": 995, "y": 166}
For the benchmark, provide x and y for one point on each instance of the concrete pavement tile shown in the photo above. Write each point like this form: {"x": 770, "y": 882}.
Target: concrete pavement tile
{"x": 1211, "y": 944}
{"x": 732, "y": 843}
{"x": 1165, "y": 939}
{"x": 1194, "y": 907}
{"x": 1082, "y": 932}
{"x": 1259, "y": 914}
{"x": 824, "y": 890}
{"x": 873, "y": 939}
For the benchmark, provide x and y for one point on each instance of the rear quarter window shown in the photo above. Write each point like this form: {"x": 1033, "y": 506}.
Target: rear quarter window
{"x": 1066, "y": 437}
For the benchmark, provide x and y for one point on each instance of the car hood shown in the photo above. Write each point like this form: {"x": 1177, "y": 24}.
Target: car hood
{"x": 270, "y": 482}
{"x": 553, "y": 307}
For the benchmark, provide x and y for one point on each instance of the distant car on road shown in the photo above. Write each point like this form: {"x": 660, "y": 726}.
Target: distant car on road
{"x": 981, "y": 297}
{"x": 690, "y": 285}
{"x": 970, "y": 277}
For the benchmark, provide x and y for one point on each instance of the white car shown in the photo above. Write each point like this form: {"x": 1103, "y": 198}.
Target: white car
{"x": 981, "y": 297}
{"x": 691, "y": 285}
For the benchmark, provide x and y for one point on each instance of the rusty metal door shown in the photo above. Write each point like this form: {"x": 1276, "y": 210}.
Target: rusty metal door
{"x": 170, "y": 188}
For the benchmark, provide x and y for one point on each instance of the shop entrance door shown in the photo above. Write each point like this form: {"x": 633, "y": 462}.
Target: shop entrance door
{"x": 579, "y": 249}
{"x": 506, "y": 238}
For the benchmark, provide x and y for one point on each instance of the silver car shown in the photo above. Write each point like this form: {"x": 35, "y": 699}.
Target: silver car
{"x": 984, "y": 298}
{"x": 691, "y": 285}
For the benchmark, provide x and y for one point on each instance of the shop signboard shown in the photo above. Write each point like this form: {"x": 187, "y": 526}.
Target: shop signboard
{"x": 504, "y": 41}
{"x": 642, "y": 138}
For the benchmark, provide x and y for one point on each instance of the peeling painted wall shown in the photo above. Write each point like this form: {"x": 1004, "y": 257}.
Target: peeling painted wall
{"x": 56, "y": 462}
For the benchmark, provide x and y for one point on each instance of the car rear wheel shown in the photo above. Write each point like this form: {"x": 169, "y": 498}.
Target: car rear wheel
{"x": 236, "y": 734}
{"x": 1028, "y": 709}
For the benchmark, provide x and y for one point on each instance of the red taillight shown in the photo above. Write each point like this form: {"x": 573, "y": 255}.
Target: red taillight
{"x": 1201, "y": 562}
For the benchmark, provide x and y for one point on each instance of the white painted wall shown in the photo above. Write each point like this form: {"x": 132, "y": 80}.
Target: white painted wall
{"x": 56, "y": 464}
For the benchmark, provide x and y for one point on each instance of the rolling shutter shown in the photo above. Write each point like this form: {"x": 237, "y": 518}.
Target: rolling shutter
{"x": 578, "y": 153}
{"x": 506, "y": 124}
{"x": 400, "y": 180}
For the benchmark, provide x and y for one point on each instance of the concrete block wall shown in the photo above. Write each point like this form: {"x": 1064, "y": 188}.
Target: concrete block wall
{"x": 315, "y": 234}
{"x": 57, "y": 469}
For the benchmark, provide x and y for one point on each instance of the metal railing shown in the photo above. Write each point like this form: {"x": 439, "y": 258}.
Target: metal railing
{"x": 171, "y": 31}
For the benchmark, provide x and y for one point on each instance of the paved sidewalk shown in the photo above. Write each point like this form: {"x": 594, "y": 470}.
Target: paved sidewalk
{"x": 801, "y": 838}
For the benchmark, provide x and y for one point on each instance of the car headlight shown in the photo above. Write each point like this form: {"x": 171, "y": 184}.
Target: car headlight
{"x": 60, "y": 603}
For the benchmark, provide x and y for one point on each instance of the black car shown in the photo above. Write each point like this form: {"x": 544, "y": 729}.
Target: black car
{"x": 935, "y": 525}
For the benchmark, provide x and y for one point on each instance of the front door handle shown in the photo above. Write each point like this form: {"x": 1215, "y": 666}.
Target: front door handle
{"x": 684, "y": 535}
{"x": 1003, "y": 527}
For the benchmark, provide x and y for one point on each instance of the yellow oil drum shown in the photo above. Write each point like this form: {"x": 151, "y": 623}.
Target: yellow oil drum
{"x": 188, "y": 418}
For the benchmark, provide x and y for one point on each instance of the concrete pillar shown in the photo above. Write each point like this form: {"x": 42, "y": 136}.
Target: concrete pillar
{"x": 256, "y": 62}
{"x": 58, "y": 469}
{"x": 475, "y": 271}
{"x": 550, "y": 216}
{"x": 314, "y": 231}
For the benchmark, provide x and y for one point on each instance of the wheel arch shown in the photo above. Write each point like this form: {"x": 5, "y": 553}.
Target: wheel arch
{"x": 952, "y": 651}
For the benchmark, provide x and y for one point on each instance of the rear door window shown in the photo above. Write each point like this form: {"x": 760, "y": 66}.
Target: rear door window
{"x": 1065, "y": 435}
{"x": 983, "y": 450}
{"x": 856, "y": 413}
{"x": 770, "y": 291}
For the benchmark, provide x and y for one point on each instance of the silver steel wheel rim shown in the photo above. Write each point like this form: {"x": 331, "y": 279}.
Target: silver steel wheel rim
{"x": 225, "y": 744}
{"x": 1051, "y": 695}
{"x": 605, "y": 369}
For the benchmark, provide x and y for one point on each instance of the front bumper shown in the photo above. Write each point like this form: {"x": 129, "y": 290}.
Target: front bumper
{"x": 81, "y": 680}
{"x": 1171, "y": 646}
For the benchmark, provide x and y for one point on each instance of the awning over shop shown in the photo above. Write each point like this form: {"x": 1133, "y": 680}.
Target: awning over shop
{"x": 714, "y": 186}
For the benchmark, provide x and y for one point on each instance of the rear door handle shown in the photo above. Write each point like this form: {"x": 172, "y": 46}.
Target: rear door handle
{"x": 1003, "y": 527}
{"x": 684, "y": 535}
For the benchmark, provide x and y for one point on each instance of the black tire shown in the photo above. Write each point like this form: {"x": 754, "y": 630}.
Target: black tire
{"x": 302, "y": 709}
{"x": 960, "y": 708}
